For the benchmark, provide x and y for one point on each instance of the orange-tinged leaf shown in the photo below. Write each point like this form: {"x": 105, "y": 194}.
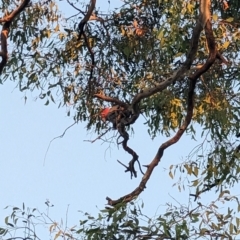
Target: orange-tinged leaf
{"x": 215, "y": 17}
{"x": 230, "y": 19}
{"x": 190, "y": 7}
{"x": 135, "y": 23}
{"x": 188, "y": 168}
{"x": 56, "y": 29}
{"x": 195, "y": 171}
{"x": 225, "y": 5}
{"x": 226, "y": 44}
{"x": 58, "y": 234}
{"x": 195, "y": 183}
{"x": 160, "y": 35}
{"x": 171, "y": 174}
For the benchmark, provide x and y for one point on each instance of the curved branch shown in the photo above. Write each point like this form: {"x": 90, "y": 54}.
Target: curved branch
{"x": 190, "y": 106}
{"x": 178, "y": 74}
{"x": 90, "y": 82}
{"x": 15, "y": 12}
{"x": 129, "y": 197}
{"x": 121, "y": 115}
{"x": 81, "y": 32}
{"x": 131, "y": 165}
{"x": 212, "y": 51}
{"x": 7, "y": 20}
{"x": 110, "y": 99}
{"x": 75, "y": 7}
{"x": 205, "y": 13}
{"x": 86, "y": 18}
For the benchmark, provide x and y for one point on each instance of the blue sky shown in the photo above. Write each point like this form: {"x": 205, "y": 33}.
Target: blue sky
{"x": 75, "y": 173}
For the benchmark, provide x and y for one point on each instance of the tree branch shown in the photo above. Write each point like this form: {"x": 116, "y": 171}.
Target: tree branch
{"x": 178, "y": 74}
{"x": 129, "y": 197}
{"x": 110, "y": 99}
{"x": 86, "y": 17}
{"x": 7, "y": 20}
{"x": 15, "y": 12}
{"x": 190, "y": 102}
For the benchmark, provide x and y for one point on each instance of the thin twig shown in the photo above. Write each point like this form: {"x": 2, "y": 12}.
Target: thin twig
{"x": 55, "y": 139}
{"x": 92, "y": 141}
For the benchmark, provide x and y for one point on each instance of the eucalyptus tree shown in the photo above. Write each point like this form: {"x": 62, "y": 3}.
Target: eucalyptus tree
{"x": 174, "y": 62}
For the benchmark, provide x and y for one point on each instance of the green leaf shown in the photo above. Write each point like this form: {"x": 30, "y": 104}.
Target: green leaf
{"x": 6, "y": 220}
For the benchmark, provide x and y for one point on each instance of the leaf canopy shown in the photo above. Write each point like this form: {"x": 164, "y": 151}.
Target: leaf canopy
{"x": 151, "y": 58}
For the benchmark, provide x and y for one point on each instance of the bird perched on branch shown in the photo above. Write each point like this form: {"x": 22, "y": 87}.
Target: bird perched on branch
{"x": 104, "y": 113}
{"x": 115, "y": 115}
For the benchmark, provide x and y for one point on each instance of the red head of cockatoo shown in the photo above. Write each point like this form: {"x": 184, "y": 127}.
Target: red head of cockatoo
{"x": 104, "y": 113}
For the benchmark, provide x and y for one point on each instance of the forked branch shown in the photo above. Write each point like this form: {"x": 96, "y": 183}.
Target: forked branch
{"x": 129, "y": 197}
{"x": 203, "y": 21}
{"x": 121, "y": 115}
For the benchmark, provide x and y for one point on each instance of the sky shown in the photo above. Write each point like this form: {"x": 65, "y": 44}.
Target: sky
{"x": 74, "y": 174}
